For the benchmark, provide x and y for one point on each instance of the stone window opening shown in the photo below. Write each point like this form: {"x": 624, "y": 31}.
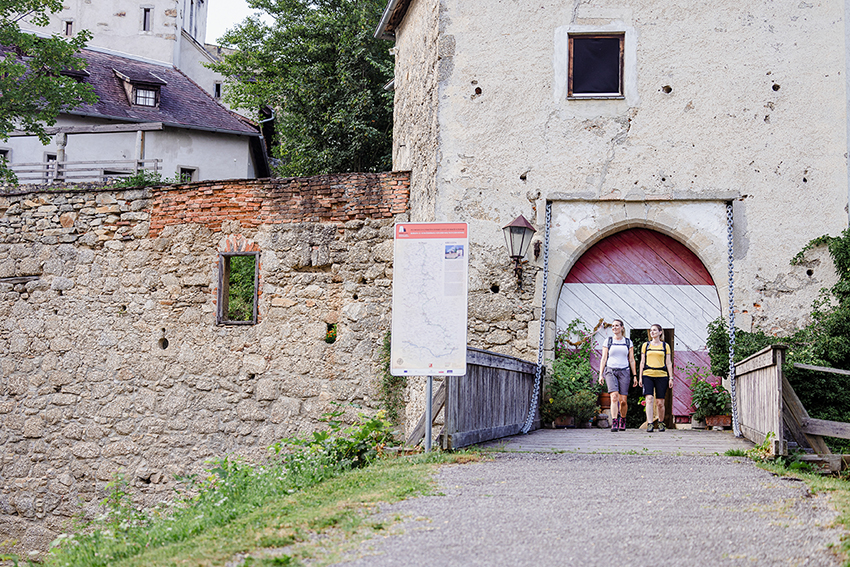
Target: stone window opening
{"x": 187, "y": 174}
{"x": 596, "y": 65}
{"x": 147, "y": 19}
{"x": 238, "y": 286}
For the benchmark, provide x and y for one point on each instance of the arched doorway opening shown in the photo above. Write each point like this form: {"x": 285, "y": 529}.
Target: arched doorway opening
{"x": 644, "y": 277}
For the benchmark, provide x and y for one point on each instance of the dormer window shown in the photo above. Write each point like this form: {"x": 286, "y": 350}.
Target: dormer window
{"x": 142, "y": 88}
{"x": 145, "y": 96}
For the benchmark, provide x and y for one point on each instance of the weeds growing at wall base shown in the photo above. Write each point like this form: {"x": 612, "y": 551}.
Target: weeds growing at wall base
{"x": 279, "y": 502}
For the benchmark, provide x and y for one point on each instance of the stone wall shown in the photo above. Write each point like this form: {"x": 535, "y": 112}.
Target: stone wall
{"x": 111, "y": 357}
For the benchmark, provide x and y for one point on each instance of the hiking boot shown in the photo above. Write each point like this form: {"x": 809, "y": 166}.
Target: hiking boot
{"x": 622, "y": 424}
{"x": 661, "y": 426}
{"x": 649, "y": 428}
{"x": 615, "y": 424}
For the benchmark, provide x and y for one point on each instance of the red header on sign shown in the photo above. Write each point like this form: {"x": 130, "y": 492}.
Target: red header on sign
{"x": 431, "y": 230}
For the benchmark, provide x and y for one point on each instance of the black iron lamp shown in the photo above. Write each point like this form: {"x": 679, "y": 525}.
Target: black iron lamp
{"x": 518, "y": 236}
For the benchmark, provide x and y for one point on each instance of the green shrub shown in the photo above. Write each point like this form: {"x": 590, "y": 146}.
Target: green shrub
{"x": 570, "y": 384}
{"x": 824, "y": 342}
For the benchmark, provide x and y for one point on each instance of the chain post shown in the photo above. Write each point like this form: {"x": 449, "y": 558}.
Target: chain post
{"x": 736, "y": 428}
{"x": 538, "y": 375}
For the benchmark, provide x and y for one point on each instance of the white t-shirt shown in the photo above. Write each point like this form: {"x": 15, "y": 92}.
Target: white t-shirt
{"x": 618, "y": 354}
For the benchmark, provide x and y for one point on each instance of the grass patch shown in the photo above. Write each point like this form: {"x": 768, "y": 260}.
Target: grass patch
{"x": 266, "y": 514}
{"x": 284, "y": 531}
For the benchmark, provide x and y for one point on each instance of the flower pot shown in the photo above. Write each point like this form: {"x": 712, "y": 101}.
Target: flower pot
{"x": 718, "y": 420}
{"x": 605, "y": 400}
{"x": 565, "y": 421}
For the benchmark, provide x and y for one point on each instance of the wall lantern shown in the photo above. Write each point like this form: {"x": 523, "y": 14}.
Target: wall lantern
{"x": 517, "y": 237}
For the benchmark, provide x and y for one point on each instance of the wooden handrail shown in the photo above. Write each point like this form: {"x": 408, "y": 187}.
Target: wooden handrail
{"x": 822, "y": 369}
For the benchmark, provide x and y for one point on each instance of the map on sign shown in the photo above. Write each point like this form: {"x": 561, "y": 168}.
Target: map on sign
{"x": 429, "y": 299}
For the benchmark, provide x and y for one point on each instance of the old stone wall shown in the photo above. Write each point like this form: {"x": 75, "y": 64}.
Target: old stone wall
{"x": 110, "y": 356}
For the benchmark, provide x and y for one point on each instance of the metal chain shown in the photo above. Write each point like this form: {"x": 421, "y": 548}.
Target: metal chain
{"x": 538, "y": 375}
{"x": 736, "y": 428}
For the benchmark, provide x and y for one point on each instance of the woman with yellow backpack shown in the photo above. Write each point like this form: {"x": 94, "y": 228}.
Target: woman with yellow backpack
{"x": 656, "y": 369}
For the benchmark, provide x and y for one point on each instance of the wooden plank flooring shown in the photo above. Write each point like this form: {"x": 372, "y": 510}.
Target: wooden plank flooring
{"x": 631, "y": 441}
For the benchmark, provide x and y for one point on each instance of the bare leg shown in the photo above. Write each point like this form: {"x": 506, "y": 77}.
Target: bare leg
{"x": 649, "y": 416}
{"x": 615, "y": 405}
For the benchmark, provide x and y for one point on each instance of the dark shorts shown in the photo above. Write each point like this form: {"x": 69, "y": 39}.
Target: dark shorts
{"x": 655, "y": 386}
{"x": 618, "y": 379}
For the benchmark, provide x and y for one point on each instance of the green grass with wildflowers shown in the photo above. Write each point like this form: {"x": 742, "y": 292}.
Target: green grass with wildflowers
{"x": 265, "y": 514}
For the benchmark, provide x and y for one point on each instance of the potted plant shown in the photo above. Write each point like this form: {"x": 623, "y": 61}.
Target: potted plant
{"x": 571, "y": 391}
{"x": 711, "y": 400}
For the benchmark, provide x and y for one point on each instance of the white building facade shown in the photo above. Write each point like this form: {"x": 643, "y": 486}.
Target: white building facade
{"x": 628, "y": 115}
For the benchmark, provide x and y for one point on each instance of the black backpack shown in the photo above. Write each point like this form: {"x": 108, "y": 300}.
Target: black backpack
{"x": 611, "y": 341}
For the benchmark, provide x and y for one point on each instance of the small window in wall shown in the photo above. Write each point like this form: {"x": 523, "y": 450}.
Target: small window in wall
{"x": 49, "y": 167}
{"x": 68, "y": 27}
{"x": 187, "y": 174}
{"x": 596, "y": 65}
{"x": 145, "y": 96}
{"x": 147, "y": 19}
{"x": 5, "y": 155}
{"x": 217, "y": 90}
{"x": 237, "y": 288}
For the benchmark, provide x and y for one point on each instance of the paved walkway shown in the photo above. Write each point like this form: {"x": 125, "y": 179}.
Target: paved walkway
{"x": 592, "y": 497}
{"x": 670, "y": 442}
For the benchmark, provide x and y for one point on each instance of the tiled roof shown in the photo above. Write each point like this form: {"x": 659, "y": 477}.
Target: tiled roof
{"x": 183, "y": 103}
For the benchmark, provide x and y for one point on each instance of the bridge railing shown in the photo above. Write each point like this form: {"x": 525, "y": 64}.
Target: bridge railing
{"x": 490, "y": 402}
{"x": 759, "y": 393}
{"x": 768, "y": 405}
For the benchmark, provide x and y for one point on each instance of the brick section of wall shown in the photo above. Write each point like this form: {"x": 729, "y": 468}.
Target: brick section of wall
{"x": 336, "y": 198}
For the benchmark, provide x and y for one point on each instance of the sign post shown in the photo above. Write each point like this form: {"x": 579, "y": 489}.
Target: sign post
{"x": 430, "y": 273}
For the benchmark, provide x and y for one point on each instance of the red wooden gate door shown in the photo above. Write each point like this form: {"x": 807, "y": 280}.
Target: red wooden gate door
{"x": 644, "y": 277}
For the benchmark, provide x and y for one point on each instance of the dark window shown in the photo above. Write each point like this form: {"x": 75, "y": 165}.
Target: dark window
{"x": 596, "y": 65}
{"x": 4, "y": 154}
{"x": 69, "y": 28}
{"x": 145, "y": 97}
{"x": 187, "y": 174}
{"x": 237, "y": 288}
{"x": 217, "y": 90}
{"x": 146, "y": 19}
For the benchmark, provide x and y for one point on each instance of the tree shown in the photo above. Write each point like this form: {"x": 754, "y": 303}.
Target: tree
{"x": 32, "y": 89}
{"x": 319, "y": 68}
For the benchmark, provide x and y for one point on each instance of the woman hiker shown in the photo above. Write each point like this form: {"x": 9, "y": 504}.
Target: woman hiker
{"x": 616, "y": 369}
{"x": 656, "y": 368}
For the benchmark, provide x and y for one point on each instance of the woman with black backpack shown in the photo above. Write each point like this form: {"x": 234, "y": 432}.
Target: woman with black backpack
{"x": 616, "y": 370}
{"x": 656, "y": 368}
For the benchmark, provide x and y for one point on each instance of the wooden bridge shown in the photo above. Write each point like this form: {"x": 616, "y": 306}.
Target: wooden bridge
{"x": 490, "y": 404}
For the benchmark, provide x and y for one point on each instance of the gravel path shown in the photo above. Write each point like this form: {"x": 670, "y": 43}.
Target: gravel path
{"x": 611, "y": 510}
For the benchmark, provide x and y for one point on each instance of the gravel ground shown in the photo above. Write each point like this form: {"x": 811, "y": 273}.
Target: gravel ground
{"x": 620, "y": 510}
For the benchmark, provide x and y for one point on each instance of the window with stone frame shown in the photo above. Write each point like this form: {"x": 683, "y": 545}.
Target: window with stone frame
{"x": 147, "y": 19}
{"x": 596, "y": 65}
{"x": 238, "y": 286}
